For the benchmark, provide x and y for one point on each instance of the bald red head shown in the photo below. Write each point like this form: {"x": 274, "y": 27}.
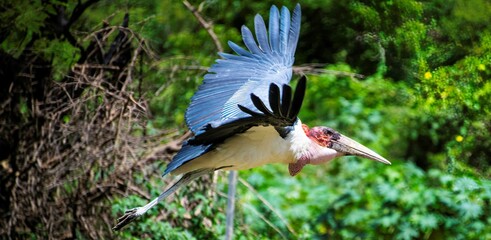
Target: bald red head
{"x": 321, "y": 135}
{"x": 329, "y": 145}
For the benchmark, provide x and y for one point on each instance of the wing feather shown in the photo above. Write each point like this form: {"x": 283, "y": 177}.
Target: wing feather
{"x": 298, "y": 97}
{"x": 187, "y": 153}
{"x": 231, "y": 80}
{"x": 261, "y": 34}
{"x": 274, "y": 28}
{"x": 239, "y": 50}
{"x": 274, "y": 99}
{"x": 284, "y": 29}
{"x": 294, "y": 30}
{"x": 286, "y": 100}
{"x": 249, "y": 41}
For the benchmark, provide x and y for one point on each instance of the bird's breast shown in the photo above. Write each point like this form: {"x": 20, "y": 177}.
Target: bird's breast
{"x": 255, "y": 147}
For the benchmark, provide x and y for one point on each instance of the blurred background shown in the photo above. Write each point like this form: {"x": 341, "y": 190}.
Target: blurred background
{"x": 93, "y": 95}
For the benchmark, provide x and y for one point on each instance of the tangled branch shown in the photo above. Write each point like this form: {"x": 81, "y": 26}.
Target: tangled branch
{"x": 74, "y": 148}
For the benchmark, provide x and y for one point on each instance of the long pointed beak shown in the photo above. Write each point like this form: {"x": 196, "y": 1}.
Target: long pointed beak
{"x": 349, "y": 146}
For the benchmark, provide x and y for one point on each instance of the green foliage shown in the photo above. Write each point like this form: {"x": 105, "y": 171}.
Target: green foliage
{"x": 21, "y": 21}
{"x": 405, "y": 203}
{"x": 23, "y": 24}
{"x": 63, "y": 55}
{"x": 358, "y": 199}
{"x": 452, "y": 99}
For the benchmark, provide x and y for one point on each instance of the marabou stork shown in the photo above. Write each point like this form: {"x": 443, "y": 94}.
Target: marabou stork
{"x": 244, "y": 115}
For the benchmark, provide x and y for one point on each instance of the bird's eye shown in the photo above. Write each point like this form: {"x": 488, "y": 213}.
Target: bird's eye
{"x": 328, "y": 131}
{"x": 331, "y": 132}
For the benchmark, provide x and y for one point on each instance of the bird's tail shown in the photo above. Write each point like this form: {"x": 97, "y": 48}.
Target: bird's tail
{"x": 132, "y": 214}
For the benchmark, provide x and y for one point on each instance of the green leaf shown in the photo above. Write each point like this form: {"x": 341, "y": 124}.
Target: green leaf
{"x": 388, "y": 192}
{"x": 407, "y": 232}
{"x": 356, "y": 216}
{"x": 465, "y": 184}
{"x": 428, "y": 222}
{"x": 470, "y": 210}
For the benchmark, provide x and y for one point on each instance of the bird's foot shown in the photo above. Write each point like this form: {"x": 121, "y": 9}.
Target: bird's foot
{"x": 129, "y": 216}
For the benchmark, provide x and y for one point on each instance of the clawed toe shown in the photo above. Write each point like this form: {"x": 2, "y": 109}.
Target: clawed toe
{"x": 129, "y": 216}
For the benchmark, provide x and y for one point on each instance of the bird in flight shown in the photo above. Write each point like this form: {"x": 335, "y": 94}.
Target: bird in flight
{"x": 244, "y": 115}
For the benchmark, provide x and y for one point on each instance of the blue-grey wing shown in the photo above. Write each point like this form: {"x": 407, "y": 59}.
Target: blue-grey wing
{"x": 281, "y": 113}
{"x": 187, "y": 153}
{"x": 231, "y": 80}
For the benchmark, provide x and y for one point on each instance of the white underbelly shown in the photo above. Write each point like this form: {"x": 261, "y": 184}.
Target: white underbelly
{"x": 255, "y": 147}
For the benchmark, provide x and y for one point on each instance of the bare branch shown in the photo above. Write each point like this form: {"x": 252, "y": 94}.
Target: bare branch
{"x": 268, "y": 204}
{"x": 78, "y": 148}
{"x": 262, "y": 217}
{"x": 319, "y": 68}
{"x": 208, "y": 26}
{"x": 305, "y": 69}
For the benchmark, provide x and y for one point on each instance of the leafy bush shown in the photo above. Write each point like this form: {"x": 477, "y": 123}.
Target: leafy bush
{"x": 361, "y": 199}
{"x": 403, "y": 202}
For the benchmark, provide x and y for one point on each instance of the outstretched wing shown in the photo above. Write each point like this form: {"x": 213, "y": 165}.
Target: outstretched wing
{"x": 231, "y": 80}
{"x": 281, "y": 113}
